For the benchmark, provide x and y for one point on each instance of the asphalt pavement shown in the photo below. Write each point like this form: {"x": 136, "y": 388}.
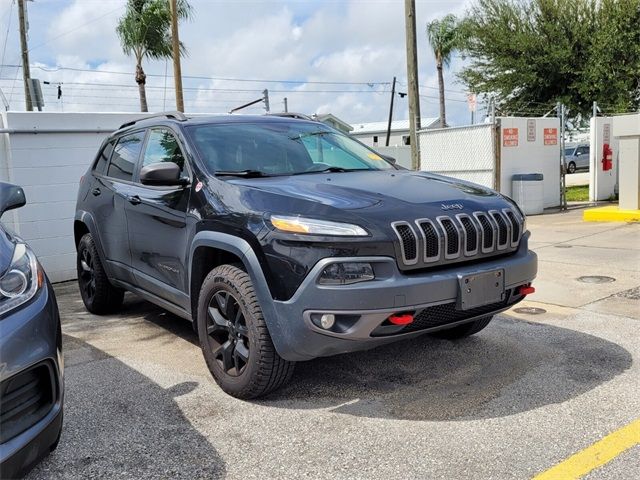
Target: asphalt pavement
{"x": 524, "y": 395}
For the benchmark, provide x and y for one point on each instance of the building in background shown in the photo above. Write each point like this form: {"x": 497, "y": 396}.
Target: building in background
{"x": 375, "y": 134}
{"x": 334, "y": 122}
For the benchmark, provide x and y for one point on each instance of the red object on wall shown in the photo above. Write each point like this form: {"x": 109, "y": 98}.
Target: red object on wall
{"x": 607, "y": 157}
{"x": 550, "y": 136}
{"x": 510, "y": 137}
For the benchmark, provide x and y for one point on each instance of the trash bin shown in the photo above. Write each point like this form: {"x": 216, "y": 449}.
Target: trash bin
{"x": 528, "y": 192}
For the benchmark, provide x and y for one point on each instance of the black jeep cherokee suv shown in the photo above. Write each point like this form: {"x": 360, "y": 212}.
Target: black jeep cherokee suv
{"x": 282, "y": 240}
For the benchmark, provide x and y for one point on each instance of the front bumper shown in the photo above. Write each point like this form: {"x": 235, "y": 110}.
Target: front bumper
{"x": 30, "y": 340}
{"x": 367, "y": 305}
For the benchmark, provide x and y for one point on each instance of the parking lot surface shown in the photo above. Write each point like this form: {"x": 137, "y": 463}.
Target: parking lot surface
{"x": 521, "y": 397}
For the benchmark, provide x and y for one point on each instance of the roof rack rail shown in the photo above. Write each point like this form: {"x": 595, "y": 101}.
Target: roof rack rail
{"x": 181, "y": 117}
{"x": 298, "y": 116}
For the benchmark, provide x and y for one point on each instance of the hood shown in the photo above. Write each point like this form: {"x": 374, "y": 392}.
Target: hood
{"x": 360, "y": 190}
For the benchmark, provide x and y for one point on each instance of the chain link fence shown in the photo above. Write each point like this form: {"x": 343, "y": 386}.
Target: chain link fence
{"x": 468, "y": 152}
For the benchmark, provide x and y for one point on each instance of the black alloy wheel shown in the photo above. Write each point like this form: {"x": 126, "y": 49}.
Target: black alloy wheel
{"x": 86, "y": 274}
{"x": 234, "y": 337}
{"x": 97, "y": 292}
{"x": 228, "y": 333}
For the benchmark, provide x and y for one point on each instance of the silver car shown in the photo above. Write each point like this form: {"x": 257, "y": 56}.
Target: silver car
{"x": 577, "y": 157}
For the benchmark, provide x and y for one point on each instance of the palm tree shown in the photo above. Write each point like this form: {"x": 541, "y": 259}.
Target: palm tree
{"x": 145, "y": 32}
{"x": 444, "y": 39}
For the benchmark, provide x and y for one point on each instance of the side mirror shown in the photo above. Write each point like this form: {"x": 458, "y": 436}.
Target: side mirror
{"x": 11, "y": 196}
{"x": 389, "y": 159}
{"x": 161, "y": 174}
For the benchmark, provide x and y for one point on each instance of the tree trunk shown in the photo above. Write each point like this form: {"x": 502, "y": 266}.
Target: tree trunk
{"x": 443, "y": 119}
{"x": 141, "y": 80}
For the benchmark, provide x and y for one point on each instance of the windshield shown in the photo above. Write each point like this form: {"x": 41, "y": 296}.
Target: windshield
{"x": 569, "y": 150}
{"x": 280, "y": 148}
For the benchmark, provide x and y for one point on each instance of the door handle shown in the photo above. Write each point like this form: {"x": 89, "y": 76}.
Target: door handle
{"x": 95, "y": 192}
{"x": 134, "y": 200}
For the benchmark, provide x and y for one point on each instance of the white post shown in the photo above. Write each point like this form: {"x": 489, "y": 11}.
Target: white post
{"x": 627, "y": 129}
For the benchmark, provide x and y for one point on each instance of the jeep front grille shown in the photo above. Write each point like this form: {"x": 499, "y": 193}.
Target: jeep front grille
{"x": 455, "y": 238}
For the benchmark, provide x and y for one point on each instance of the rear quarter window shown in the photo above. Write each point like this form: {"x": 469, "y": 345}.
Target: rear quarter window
{"x": 103, "y": 158}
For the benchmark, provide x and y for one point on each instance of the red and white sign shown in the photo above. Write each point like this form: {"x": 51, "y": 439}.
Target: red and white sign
{"x": 510, "y": 137}
{"x": 550, "y": 136}
{"x": 472, "y": 101}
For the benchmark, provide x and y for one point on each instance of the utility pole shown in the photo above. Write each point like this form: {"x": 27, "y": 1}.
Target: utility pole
{"x": 412, "y": 76}
{"x": 265, "y": 94}
{"x": 393, "y": 94}
{"x": 26, "y": 74}
{"x": 177, "y": 70}
{"x": 286, "y": 106}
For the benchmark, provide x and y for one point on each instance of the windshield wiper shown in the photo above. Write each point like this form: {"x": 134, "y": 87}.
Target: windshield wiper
{"x": 332, "y": 169}
{"x": 241, "y": 173}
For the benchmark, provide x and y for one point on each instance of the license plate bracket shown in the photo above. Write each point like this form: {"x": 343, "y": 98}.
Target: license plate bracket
{"x": 479, "y": 289}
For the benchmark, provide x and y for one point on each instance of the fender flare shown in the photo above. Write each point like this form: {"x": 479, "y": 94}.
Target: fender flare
{"x": 243, "y": 250}
{"x": 87, "y": 219}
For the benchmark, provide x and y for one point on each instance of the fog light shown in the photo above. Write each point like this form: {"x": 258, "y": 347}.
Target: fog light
{"x": 401, "y": 319}
{"x": 346, "y": 273}
{"x": 327, "y": 320}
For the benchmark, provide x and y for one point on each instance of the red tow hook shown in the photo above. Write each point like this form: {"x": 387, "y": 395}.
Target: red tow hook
{"x": 526, "y": 290}
{"x": 401, "y": 319}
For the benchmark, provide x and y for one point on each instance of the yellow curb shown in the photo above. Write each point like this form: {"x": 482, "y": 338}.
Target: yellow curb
{"x": 610, "y": 214}
{"x": 595, "y": 456}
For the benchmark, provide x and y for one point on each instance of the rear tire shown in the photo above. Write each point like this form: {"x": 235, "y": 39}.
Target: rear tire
{"x": 571, "y": 168}
{"x": 464, "y": 330}
{"x": 235, "y": 341}
{"x": 98, "y": 295}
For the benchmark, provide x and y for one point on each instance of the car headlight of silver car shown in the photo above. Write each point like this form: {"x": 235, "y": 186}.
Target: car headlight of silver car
{"x": 22, "y": 279}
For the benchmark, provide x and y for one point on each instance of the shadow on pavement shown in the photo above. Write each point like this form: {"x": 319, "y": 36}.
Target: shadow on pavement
{"x": 120, "y": 424}
{"x": 511, "y": 367}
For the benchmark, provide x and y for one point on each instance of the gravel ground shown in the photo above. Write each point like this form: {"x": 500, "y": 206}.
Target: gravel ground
{"x": 510, "y": 402}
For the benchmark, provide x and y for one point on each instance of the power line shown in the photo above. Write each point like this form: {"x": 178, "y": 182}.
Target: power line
{"x": 209, "y": 89}
{"x": 110, "y": 12}
{"x": 199, "y": 77}
{"x": 447, "y": 99}
{"x": 6, "y": 37}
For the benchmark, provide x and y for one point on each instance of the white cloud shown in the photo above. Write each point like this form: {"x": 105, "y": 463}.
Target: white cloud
{"x": 348, "y": 41}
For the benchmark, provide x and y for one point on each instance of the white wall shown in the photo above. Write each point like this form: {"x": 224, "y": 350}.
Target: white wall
{"x": 401, "y": 154}
{"x": 530, "y": 155}
{"x": 602, "y": 184}
{"x": 395, "y": 139}
{"x": 49, "y": 166}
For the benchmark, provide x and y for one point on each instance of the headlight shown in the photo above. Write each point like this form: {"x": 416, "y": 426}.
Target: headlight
{"x": 21, "y": 281}
{"x": 519, "y": 210}
{"x": 346, "y": 273}
{"x": 316, "y": 227}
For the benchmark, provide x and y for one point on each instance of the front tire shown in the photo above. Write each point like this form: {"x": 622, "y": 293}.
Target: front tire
{"x": 234, "y": 337}
{"x": 464, "y": 330}
{"x": 98, "y": 295}
{"x": 571, "y": 168}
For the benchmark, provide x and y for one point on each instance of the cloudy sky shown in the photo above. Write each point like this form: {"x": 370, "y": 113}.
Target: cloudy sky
{"x": 237, "y": 48}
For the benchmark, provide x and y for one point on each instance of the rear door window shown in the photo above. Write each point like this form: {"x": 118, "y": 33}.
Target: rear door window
{"x": 582, "y": 150}
{"x": 125, "y": 156}
{"x": 162, "y": 146}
